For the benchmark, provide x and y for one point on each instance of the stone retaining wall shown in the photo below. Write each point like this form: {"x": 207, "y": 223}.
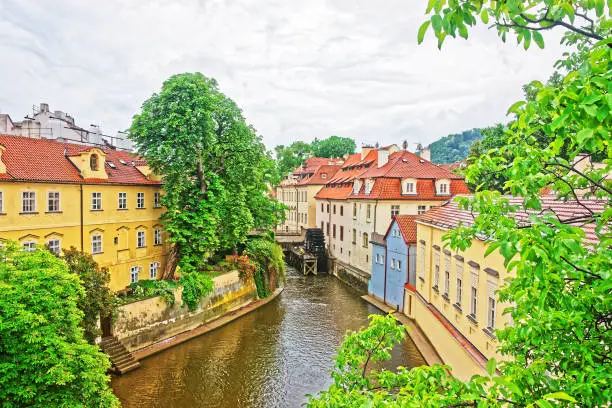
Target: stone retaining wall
{"x": 149, "y": 321}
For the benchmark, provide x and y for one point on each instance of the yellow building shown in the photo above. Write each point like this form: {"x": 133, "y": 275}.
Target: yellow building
{"x": 455, "y": 299}
{"x": 102, "y": 201}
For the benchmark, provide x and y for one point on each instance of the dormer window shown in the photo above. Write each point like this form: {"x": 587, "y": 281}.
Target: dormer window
{"x": 356, "y": 186}
{"x": 323, "y": 176}
{"x": 443, "y": 187}
{"x": 409, "y": 186}
{"x": 93, "y": 162}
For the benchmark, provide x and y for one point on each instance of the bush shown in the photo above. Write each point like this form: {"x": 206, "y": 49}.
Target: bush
{"x": 145, "y": 289}
{"x": 196, "y": 285}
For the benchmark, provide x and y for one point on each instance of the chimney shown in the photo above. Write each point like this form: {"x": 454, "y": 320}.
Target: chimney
{"x": 426, "y": 154}
{"x": 383, "y": 157}
{"x": 365, "y": 150}
{"x": 44, "y": 107}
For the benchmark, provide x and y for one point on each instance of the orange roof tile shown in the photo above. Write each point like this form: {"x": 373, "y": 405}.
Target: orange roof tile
{"x": 407, "y": 226}
{"x": 46, "y": 161}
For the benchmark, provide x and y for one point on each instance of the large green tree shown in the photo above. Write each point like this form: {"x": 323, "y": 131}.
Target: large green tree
{"x": 214, "y": 166}
{"x": 291, "y": 156}
{"x": 557, "y": 352}
{"x": 333, "y": 146}
{"x": 44, "y": 359}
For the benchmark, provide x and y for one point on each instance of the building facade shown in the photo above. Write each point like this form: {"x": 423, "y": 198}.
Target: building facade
{"x": 102, "y": 201}
{"x": 369, "y": 189}
{"x": 298, "y": 189}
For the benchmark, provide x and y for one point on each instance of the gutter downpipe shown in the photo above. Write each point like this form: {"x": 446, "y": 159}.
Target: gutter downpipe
{"x": 82, "y": 227}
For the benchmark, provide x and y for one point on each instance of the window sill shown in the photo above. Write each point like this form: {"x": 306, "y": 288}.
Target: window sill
{"x": 157, "y": 206}
{"x": 141, "y": 247}
{"x": 2, "y": 213}
{"x": 472, "y": 319}
{"x": 92, "y": 210}
{"x": 435, "y": 288}
{"x": 28, "y": 213}
{"x": 122, "y": 209}
{"x": 456, "y": 306}
{"x": 157, "y": 244}
{"x": 446, "y": 298}
{"x": 54, "y": 212}
{"x": 97, "y": 253}
{"x": 141, "y": 208}
{"x": 422, "y": 279}
{"x": 489, "y": 332}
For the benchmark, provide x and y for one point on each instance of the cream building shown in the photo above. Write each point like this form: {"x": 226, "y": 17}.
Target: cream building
{"x": 368, "y": 190}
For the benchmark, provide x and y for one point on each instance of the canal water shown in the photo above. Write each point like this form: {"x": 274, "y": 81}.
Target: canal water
{"x": 272, "y": 357}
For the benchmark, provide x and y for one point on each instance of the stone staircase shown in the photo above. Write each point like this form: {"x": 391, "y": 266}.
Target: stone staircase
{"x": 121, "y": 359}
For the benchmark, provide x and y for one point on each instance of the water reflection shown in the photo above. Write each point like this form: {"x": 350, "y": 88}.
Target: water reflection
{"x": 271, "y": 357}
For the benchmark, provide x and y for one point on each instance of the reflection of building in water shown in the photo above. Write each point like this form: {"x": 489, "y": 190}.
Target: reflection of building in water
{"x": 59, "y": 125}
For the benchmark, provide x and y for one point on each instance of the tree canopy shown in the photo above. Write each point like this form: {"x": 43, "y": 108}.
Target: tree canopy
{"x": 453, "y": 148}
{"x": 215, "y": 168}
{"x": 45, "y": 359}
{"x": 557, "y": 350}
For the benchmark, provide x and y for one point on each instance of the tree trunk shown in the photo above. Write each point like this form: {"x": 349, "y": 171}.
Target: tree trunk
{"x": 171, "y": 264}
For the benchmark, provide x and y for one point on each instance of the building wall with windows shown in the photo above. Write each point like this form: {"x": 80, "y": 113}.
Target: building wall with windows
{"x": 45, "y": 201}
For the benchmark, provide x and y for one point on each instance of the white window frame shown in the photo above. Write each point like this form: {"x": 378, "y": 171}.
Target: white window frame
{"x": 55, "y": 199}
{"x": 140, "y": 200}
{"x": 473, "y": 301}
{"x": 28, "y": 246}
{"x": 1, "y": 202}
{"x": 398, "y": 264}
{"x": 422, "y": 248}
{"x": 122, "y": 201}
{"x": 96, "y": 244}
{"x": 157, "y": 236}
{"x": 134, "y": 274}
{"x": 157, "y": 199}
{"x": 96, "y": 201}
{"x": 141, "y": 239}
{"x": 395, "y": 210}
{"x": 153, "y": 269}
{"x": 491, "y": 313}
{"x": 421, "y": 209}
{"x": 459, "y": 291}
{"x": 409, "y": 187}
{"x": 56, "y": 249}
{"x": 30, "y": 199}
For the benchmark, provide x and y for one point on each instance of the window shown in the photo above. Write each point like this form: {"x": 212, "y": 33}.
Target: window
{"x": 382, "y": 259}
{"x": 354, "y": 210}
{"x": 153, "y": 268}
{"x": 54, "y": 246}
{"x": 122, "y": 205}
{"x": 29, "y": 246}
{"x": 28, "y": 202}
{"x": 368, "y": 211}
{"x": 398, "y": 265}
{"x": 368, "y": 186}
{"x": 134, "y": 272}
{"x": 140, "y": 200}
{"x": 395, "y": 210}
{"x": 334, "y": 208}
{"x": 364, "y": 240}
{"x": 53, "y": 201}
{"x": 322, "y": 226}
{"x": 354, "y": 237}
{"x": 422, "y": 209}
{"x": 459, "y": 291}
{"x": 334, "y": 231}
{"x": 96, "y": 244}
{"x": 491, "y": 314}
{"x": 157, "y": 237}
{"x": 341, "y": 210}
{"x": 140, "y": 239}
{"x": 409, "y": 187}
{"x": 392, "y": 263}
{"x": 93, "y": 162}
{"x": 328, "y": 208}
{"x": 341, "y": 233}
{"x": 446, "y": 282}
{"x": 322, "y": 208}
{"x": 156, "y": 199}
{"x": 306, "y": 218}
{"x": 443, "y": 188}
{"x": 474, "y": 301}
{"x": 328, "y": 228}
{"x": 96, "y": 201}
{"x": 1, "y": 202}
{"x": 436, "y": 270}
{"x": 422, "y": 261}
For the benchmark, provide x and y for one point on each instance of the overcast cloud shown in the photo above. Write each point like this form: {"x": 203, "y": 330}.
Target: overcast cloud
{"x": 298, "y": 68}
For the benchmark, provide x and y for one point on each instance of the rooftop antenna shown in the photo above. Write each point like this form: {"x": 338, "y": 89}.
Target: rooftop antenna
{"x": 405, "y": 145}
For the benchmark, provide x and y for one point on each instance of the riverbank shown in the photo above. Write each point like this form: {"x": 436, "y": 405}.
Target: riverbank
{"x": 203, "y": 329}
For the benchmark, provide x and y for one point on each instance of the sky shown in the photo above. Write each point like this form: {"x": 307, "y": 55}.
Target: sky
{"x": 299, "y": 69}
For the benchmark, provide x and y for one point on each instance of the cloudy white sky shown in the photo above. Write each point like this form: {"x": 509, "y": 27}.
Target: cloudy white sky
{"x": 298, "y": 68}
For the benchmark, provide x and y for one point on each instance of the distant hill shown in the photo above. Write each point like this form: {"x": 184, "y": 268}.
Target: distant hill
{"x": 453, "y": 148}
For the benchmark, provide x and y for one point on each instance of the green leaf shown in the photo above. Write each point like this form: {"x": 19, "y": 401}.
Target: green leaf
{"x": 436, "y": 23}
{"x": 484, "y": 16}
{"x": 423, "y": 30}
{"x": 515, "y": 107}
{"x": 559, "y": 396}
{"x": 491, "y": 364}
{"x": 537, "y": 37}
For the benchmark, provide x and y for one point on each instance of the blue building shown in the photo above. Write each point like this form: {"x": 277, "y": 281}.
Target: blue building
{"x": 394, "y": 261}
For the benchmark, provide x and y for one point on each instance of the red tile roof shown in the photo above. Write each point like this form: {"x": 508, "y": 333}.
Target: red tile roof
{"x": 391, "y": 189}
{"x": 321, "y": 175}
{"x": 450, "y": 216}
{"x": 408, "y": 165}
{"x": 46, "y": 161}
{"x": 407, "y": 226}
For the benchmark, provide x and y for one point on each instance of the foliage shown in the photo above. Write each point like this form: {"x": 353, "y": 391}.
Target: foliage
{"x": 333, "y": 146}
{"x": 494, "y": 138}
{"x": 45, "y": 359}
{"x": 243, "y": 265}
{"x": 557, "y": 350}
{"x": 288, "y": 158}
{"x": 215, "y": 169}
{"x": 148, "y": 288}
{"x": 99, "y": 300}
{"x": 195, "y": 285}
{"x": 267, "y": 257}
{"x": 453, "y": 148}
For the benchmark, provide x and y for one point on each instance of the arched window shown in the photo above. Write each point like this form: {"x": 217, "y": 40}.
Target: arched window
{"x": 93, "y": 162}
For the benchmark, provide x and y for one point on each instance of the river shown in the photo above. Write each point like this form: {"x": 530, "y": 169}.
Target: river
{"x": 271, "y": 357}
